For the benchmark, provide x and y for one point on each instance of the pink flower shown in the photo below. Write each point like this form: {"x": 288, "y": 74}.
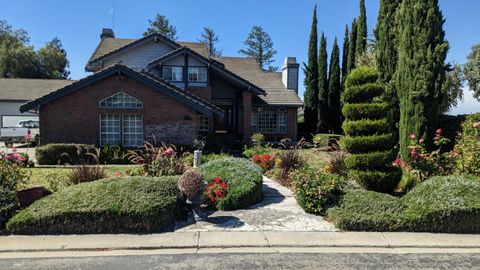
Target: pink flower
{"x": 28, "y": 136}
{"x": 476, "y": 125}
{"x": 14, "y": 149}
{"x": 169, "y": 152}
{"x": 439, "y": 131}
{"x": 397, "y": 161}
{"x": 412, "y": 136}
{"x": 413, "y": 153}
{"x": 421, "y": 141}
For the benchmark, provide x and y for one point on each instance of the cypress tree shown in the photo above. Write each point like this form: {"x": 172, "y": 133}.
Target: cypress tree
{"x": 367, "y": 135}
{"x": 323, "y": 110}
{"x": 345, "y": 54}
{"x": 420, "y": 69}
{"x": 352, "y": 46}
{"x": 362, "y": 33}
{"x": 386, "y": 56}
{"x": 311, "y": 78}
{"x": 334, "y": 91}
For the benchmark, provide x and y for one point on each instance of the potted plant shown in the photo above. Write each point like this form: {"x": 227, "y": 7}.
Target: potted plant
{"x": 192, "y": 184}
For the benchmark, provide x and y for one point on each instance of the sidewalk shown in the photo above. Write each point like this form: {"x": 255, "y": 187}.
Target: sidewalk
{"x": 225, "y": 240}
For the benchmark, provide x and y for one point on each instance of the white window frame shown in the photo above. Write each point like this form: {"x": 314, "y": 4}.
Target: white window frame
{"x": 121, "y": 131}
{"x": 203, "y": 123}
{"x": 120, "y": 100}
{"x": 265, "y": 124}
{"x": 173, "y": 70}
{"x": 110, "y": 130}
{"x": 196, "y": 71}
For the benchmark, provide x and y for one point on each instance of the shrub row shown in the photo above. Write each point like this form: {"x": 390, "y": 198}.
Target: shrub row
{"x": 447, "y": 204}
{"x": 357, "y": 111}
{"x": 365, "y": 127}
{"x": 120, "y": 205}
{"x": 364, "y": 144}
{"x": 244, "y": 181}
{"x": 52, "y": 154}
{"x": 315, "y": 191}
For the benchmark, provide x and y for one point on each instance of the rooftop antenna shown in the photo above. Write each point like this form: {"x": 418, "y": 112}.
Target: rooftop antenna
{"x": 112, "y": 12}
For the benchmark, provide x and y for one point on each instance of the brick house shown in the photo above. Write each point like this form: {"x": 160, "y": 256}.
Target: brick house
{"x": 172, "y": 90}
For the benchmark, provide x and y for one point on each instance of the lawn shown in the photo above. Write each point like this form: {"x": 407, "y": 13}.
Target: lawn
{"x": 56, "y": 179}
{"x": 315, "y": 158}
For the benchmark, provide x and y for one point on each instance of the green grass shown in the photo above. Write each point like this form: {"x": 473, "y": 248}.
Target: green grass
{"x": 441, "y": 204}
{"x": 314, "y": 158}
{"x": 121, "y": 205}
{"x": 55, "y": 179}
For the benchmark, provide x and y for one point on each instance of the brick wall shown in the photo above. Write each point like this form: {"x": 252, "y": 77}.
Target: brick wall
{"x": 74, "y": 118}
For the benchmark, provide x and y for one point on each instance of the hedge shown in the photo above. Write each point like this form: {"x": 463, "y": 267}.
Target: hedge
{"x": 244, "y": 181}
{"x": 448, "y": 204}
{"x": 384, "y": 180}
{"x": 365, "y": 127}
{"x": 357, "y": 111}
{"x": 315, "y": 191}
{"x": 8, "y": 204}
{"x": 361, "y": 76}
{"x": 363, "y": 144}
{"x": 120, "y": 205}
{"x": 371, "y": 160}
{"x": 51, "y": 154}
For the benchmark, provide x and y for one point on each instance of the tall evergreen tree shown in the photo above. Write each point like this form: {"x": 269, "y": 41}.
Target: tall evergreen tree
{"x": 386, "y": 56}
{"x": 323, "y": 110}
{"x": 260, "y": 46}
{"x": 362, "y": 33}
{"x": 161, "y": 25}
{"x": 345, "y": 54}
{"x": 420, "y": 70}
{"x": 334, "y": 91}
{"x": 352, "y": 46}
{"x": 210, "y": 39}
{"x": 310, "y": 97}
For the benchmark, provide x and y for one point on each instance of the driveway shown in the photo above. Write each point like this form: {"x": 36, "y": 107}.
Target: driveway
{"x": 278, "y": 211}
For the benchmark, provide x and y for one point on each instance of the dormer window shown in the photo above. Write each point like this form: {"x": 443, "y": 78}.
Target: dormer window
{"x": 173, "y": 73}
{"x": 197, "y": 74}
{"x": 121, "y": 101}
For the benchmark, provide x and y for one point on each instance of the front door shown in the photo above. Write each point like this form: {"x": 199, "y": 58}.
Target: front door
{"x": 224, "y": 124}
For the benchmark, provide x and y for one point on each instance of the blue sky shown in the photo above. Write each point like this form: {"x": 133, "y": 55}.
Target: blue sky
{"x": 78, "y": 24}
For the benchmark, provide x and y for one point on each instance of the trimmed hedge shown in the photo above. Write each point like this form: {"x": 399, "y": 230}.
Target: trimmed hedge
{"x": 448, "y": 204}
{"x": 120, "y": 205}
{"x": 51, "y": 154}
{"x": 8, "y": 204}
{"x": 315, "y": 191}
{"x": 365, "y": 144}
{"x": 244, "y": 181}
{"x": 365, "y": 127}
{"x": 367, "y": 135}
{"x": 357, "y": 111}
{"x": 371, "y": 160}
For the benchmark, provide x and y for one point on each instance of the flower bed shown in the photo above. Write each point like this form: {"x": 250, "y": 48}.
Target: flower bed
{"x": 120, "y": 205}
{"x": 244, "y": 181}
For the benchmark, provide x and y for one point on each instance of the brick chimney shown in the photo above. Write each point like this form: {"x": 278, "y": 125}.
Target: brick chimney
{"x": 290, "y": 73}
{"x": 107, "y": 33}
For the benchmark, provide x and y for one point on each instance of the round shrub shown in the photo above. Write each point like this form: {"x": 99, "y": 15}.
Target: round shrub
{"x": 365, "y": 127}
{"x": 367, "y": 135}
{"x": 244, "y": 181}
{"x": 120, "y": 205}
{"x": 357, "y": 111}
{"x": 191, "y": 182}
{"x": 316, "y": 191}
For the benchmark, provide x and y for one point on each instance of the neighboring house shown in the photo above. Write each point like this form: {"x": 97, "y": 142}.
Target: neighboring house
{"x": 174, "y": 91}
{"x": 15, "y": 92}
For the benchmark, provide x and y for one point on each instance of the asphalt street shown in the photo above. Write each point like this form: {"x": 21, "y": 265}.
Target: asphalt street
{"x": 342, "y": 261}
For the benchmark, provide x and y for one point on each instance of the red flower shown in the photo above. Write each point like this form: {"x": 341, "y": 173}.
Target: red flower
{"x": 439, "y": 131}
{"x": 412, "y": 136}
{"x": 169, "y": 152}
{"x": 413, "y": 153}
{"x": 397, "y": 161}
{"x": 28, "y": 136}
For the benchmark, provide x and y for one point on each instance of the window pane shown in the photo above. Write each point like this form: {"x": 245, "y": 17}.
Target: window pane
{"x": 121, "y": 100}
{"x": 197, "y": 74}
{"x": 110, "y": 129}
{"x": 202, "y": 123}
{"x": 269, "y": 120}
{"x": 132, "y": 130}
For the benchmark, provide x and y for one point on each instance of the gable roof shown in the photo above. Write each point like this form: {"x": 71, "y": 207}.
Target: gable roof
{"x": 109, "y": 46}
{"x": 156, "y": 83}
{"x": 28, "y": 89}
{"x": 271, "y": 82}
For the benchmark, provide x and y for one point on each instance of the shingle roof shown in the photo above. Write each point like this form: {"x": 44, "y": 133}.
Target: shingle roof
{"x": 271, "y": 82}
{"x": 154, "y": 82}
{"x": 29, "y": 89}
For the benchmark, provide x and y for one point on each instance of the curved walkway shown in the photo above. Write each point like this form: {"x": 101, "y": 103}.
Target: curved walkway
{"x": 278, "y": 211}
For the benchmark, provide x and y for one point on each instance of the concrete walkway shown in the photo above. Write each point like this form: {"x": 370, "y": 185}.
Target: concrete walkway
{"x": 278, "y": 211}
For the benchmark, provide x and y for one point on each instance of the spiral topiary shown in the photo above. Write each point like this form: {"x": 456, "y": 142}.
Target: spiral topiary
{"x": 367, "y": 136}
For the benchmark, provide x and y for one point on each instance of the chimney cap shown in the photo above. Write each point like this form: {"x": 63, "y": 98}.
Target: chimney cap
{"x": 290, "y": 62}
{"x": 107, "y": 32}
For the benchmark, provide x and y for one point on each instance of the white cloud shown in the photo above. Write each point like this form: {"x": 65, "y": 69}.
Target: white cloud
{"x": 468, "y": 105}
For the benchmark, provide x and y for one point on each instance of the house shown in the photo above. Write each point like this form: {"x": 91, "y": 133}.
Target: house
{"x": 154, "y": 86}
{"x": 15, "y": 92}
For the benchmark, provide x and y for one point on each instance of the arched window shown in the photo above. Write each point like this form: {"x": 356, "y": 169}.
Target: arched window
{"x": 122, "y": 101}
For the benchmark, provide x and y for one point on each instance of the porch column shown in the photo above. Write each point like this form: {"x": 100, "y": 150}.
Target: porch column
{"x": 247, "y": 115}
